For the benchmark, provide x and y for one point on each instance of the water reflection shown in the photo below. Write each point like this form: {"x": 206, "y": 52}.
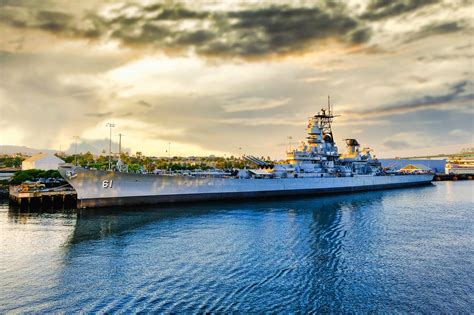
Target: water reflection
{"x": 323, "y": 254}
{"x": 293, "y": 250}
{"x": 18, "y": 215}
{"x": 93, "y": 224}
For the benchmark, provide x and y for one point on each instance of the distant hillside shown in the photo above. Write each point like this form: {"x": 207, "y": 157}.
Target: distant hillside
{"x": 12, "y": 149}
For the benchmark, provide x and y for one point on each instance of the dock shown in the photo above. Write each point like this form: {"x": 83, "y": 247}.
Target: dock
{"x": 452, "y": 177}
{"x": 43, "y": 198}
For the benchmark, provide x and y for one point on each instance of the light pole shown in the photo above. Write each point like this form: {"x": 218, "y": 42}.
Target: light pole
{"x": 169, "y": 156}
{"x": 120, "y": 164}
{"x": 110, "y": 125}
{"x": 241, "y": 157}
{"x": 75, "y": 148}
{"x": 120, "y": 143}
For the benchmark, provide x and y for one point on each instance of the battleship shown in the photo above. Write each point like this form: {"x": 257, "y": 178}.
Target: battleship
{"x": 314, "y": 168}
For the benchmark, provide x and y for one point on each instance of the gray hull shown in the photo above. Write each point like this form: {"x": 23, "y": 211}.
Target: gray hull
{"x": 103, "y": 189}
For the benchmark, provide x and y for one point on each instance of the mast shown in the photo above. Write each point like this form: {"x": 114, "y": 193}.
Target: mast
{"x": 330, "y": 115}
{"x": 329, "y": 105}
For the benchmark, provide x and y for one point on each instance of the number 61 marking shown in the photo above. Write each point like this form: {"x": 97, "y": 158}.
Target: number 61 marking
{"x": 107, "y": 183}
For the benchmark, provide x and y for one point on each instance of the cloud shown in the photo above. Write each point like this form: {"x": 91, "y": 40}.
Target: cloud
{"x": 407, "y": 140}
{"x": 70, "y": 66}
{"x": 254, "y": 104}
{"x": 95, "y": 146}
{"x": 396, "y": 144}
{"x": 174, "y": 28}
{"x": 434, "y": 29}
{"x": 98, "y": 115}
{"x": 462, "y": 133}
{"x": 52, "y": 93}
{"x": 458, "y": 93}
{"x": 144, "y": 104}
{"x": 55, "y": 22}
{"x": 382, "y": 9}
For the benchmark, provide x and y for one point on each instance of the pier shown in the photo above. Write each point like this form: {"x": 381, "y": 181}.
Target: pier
{"x": 452, "y": 177}
{"x": 43, "y": 199}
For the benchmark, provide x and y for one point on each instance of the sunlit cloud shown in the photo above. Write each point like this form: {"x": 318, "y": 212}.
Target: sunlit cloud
{"x": 208, "y": 76}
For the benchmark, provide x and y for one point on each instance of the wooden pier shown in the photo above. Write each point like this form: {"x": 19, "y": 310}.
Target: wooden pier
{"x": 43, "y": 199}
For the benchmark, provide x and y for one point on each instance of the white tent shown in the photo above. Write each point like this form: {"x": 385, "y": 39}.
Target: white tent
{"x": 41, "y": 161}
{"x": 415, "y": 168}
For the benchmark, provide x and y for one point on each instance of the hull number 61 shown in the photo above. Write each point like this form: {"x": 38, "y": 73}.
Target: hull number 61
{"x": 107, "y": 183}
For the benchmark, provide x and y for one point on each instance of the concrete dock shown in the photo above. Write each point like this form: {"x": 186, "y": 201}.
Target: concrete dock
{"x": 43, "y": 198}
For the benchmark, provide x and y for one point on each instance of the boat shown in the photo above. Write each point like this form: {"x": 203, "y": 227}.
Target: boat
{"x": 461, "y": 164}
{"x": 315, "y": 167}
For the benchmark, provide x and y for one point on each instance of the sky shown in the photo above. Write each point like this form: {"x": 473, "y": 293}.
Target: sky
{"x": 236, "y": 77}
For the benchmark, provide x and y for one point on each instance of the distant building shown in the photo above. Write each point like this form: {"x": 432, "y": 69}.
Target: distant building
{"x": 41, "y": 161}
{"x": 436, "y": 166}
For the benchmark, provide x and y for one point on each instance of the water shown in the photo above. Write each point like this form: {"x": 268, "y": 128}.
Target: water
{"x": 409, "y": 250}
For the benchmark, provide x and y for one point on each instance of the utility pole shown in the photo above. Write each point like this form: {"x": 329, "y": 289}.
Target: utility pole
{"x": 120, "y": 165}
{"x": 76, "y": 138}
{"x": 242, "y": 158}
{"x": 110, "y": 125}
{"x": 120, "y": 143}
{"x": 169, "y": 156}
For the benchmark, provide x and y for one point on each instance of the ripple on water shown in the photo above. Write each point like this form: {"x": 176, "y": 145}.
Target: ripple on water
{"x": 402, "y": 250}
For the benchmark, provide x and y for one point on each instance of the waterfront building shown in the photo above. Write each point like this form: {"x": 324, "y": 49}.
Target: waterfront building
{"x": 41, "y": 161}
{"x": 436, "y": 165}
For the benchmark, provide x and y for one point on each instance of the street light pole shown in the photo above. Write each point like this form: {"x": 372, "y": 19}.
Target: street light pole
{"x": 120, "y": 143}
{"x": 75, "y": 148}
{"x": 110, "y": 125}
{"x": 169, "y": 156}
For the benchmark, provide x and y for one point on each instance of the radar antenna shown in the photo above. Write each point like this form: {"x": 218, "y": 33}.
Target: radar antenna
{"x": 330, "y": 114}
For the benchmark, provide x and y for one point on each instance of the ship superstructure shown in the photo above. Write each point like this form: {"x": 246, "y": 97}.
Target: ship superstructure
{"x": 318, "y": 156}
{"x": 315, "y": 167}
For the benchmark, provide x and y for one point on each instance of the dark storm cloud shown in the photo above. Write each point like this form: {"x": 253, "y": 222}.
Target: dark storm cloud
{"x": 251, "y": 32}
{"x": 382, "y": 9}
{"x": 458, "y": 92}
{"x": 47, "y": 20}
{"x": 435, "y": 29}
{"x": 282, "y": 29}
{"x": 56, "y": 22}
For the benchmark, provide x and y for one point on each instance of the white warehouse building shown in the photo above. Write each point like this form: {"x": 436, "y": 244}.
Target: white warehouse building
{"x": 41, "y": 161}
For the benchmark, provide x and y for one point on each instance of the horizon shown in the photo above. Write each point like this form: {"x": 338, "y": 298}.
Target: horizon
{"x": 211, "y": 78}
{"x": 29, "y": 151}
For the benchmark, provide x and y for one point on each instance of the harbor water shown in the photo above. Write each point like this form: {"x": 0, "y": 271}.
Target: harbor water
{"x": 403, "y": 250}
